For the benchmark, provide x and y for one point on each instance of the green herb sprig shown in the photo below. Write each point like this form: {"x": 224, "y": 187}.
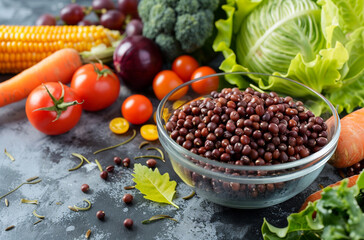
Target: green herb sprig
{"x": 117, "y": 145}
{"x": 158, "y": 217}
{"x": 9, "y": 155}
{"x": 37, "y": 215}
{"x": 31, "y": 182}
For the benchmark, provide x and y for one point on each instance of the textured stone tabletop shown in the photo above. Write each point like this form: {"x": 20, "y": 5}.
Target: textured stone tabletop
{"x": 49, "y": 157}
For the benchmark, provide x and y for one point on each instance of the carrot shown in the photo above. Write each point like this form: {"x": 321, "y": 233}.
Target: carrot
{"x": 350, "y": 148}
{"x": 59, "y": 66}
{"x": 317, "y": 195}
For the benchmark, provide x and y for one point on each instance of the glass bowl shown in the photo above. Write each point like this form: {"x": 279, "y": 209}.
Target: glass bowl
{"x": 245, "y": 186}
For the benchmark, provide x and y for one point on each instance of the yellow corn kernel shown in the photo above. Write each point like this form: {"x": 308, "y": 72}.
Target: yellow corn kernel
{"x": 23, "y": 46}
{"x": 10, "y": 67}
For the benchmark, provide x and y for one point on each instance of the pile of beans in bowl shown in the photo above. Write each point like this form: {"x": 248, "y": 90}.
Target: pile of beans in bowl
{"x": 248, "y": 128}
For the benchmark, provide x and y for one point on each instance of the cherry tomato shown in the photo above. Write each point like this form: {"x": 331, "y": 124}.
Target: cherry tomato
{"x": 164, "y": 82}
{"x": 137, "y": 109}
{"x": 56, "y": 119}
{"x": 149, "y": 132}
{"x": 204, "y": 86}
{"x": 119, "y": 125}
{"x": 97, "y": 85}
{"x": 184, "y": 66}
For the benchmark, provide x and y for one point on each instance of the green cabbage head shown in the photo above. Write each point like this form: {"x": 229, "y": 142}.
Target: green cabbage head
{"x": 268, "y": 44}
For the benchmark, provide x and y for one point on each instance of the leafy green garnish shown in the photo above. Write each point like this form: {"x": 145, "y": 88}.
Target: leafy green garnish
{"x": 337, "y": 215}
{"x": 153, "y": 185}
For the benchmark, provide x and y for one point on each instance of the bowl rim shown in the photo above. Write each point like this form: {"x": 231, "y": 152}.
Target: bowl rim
{"x": 311, "y": 158}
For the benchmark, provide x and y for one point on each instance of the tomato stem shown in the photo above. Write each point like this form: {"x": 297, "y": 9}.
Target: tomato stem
{"x": 59, "y": 105}
{"x": 103, "y": 72}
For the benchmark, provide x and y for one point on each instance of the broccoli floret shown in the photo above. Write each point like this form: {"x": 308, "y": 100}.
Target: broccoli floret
{"x": 169, "y": 3}
{"x": 209, "y": 4}
{"x": 161, "y": 19}
{"x": 144, "y": 9}
{"x": 193, "y": 29}
{"x": 169, "y": 46}
{"x": 190, "y": 7}
{"x": 178, "y": 26}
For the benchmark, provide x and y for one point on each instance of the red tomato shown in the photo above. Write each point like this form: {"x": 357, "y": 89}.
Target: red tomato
{"x": 184, "y": 66}
{"x": 98, "y": 86}
{"x": 45, "y": 120}
{"x": 204, "y": 86}
{"x": 164, "y": 82}
{"x": 137, "y": 109}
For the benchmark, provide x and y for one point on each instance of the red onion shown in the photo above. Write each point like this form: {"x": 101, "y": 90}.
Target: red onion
{"x": 137, "y": 60}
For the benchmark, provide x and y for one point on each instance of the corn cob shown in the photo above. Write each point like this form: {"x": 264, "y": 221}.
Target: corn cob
{"x": 23, "y": 46}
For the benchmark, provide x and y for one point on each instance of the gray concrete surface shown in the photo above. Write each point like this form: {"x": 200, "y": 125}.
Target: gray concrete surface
{"x": 49, "y": 157}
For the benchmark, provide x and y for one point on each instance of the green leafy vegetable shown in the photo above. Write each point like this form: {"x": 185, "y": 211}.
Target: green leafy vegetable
{"x": 153, "y": 185}
{"x": 27, "y": 182}
{"x": 348, "y": 14}
{"x": 337, "y": 215}
{"x": 320, "y": 44}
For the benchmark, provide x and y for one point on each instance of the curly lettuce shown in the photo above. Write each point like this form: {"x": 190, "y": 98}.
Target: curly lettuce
{"x": 318, "y": 43}
{"x": 337, "y": 215}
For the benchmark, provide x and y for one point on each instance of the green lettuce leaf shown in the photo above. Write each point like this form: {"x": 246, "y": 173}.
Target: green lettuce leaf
{"x": 300, "y": 226}
{"x": 355, "y": 47}
{"x": 338, "y": 216}
{"x": 360, "y": 181}
{"x": 236, "y": 11}
{"x": 347, "y": 14}
{"x": 334, "y": 34}
{"x": 321, "y": 73}
{"x": 153, "y": 185}
{"x": 244, "y": 7}
{"x": 351, "y": 94}
{"x": 348, "y": 97}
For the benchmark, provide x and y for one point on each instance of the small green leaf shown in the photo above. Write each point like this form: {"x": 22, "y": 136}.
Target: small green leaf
{"x": 347, "y": 14}
{"x": 360, "y": 181}
{"x": 153, "y": 185}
